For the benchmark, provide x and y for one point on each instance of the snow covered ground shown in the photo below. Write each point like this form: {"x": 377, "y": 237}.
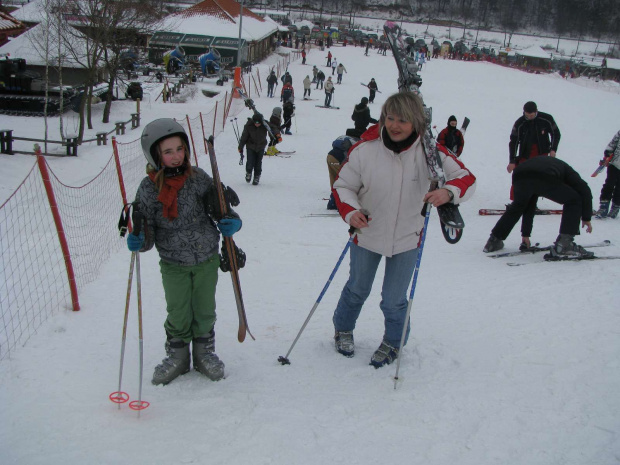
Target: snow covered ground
{"x": 505, "y": 365}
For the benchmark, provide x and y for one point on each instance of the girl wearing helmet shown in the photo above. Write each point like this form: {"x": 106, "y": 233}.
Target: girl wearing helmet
{"x": 183, "y": 222}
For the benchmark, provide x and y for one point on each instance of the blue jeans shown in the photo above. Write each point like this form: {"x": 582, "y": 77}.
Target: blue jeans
{"x": 398, "y": 272}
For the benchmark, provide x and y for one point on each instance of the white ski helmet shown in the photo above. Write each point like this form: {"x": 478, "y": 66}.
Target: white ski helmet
{"x": 157, "y": 130}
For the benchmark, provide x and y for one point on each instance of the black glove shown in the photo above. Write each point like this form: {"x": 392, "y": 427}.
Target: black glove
{"x": 212, "y": 203}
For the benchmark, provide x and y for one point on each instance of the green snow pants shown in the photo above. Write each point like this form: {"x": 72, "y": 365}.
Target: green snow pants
{"x": 190, "y": 298}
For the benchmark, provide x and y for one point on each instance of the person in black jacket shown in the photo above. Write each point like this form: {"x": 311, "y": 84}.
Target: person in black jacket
{"x": 361, "y": 117}
{"x": 254, "y": 139}
{"x": 451, "y": 137}
{"x": 373, "y": 88}
{"x": 534, "y": 134}
{"x": 272, "y": 83}
{"x": 555, "y": 180}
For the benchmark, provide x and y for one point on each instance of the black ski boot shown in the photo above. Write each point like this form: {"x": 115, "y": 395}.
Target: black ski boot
{"x": 613, "y": 212}
{"x": 493, "y": 244}
{"x": 602, "y": 209}
{"x": 175, "y": 364}
{"x": 564, "y": 247}
{"x": 204, "y": 358}
{"x": 256, "y": 180}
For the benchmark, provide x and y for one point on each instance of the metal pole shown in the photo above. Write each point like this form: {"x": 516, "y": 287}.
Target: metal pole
{"x": 240, "y": 26}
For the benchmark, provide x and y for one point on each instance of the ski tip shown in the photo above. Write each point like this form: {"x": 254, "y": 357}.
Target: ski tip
{"x": 283, "y": 360}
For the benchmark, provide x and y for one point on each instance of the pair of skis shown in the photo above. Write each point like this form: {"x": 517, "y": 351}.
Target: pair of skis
{"x": 229, "y": 249}
{"x": 548, "y": 257}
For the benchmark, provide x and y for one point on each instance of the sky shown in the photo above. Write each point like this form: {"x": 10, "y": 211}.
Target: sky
{"x": 504, "y": 364}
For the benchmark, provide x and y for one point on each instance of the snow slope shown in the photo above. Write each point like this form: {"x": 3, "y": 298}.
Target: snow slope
{"x": 505, "y": 365}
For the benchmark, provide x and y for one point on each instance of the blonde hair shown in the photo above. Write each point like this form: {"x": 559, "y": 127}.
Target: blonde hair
{"x": 405, "y": 105}
{"x": 159, "y": 177}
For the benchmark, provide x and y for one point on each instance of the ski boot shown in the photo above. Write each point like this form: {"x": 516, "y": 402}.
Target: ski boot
{"x": 248, "y": 177}
{"x": 256, "y": 180}
{"x": 344, "y": 343}
{"x": 564, "y": 247}
{"x": 613, "y": 212}
{"x": 271, "y": 151}
{"x": 288, "y": 132}
{"x": 175, "y": 364}
{"x": 493, "y": 244}
{"x": 204, "y": 358}
{"x": 384, "y": 355}
{"x": 603, "y": 209}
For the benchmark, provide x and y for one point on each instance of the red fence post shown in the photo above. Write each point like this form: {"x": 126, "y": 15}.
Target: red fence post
{"x": 59, "y": 230}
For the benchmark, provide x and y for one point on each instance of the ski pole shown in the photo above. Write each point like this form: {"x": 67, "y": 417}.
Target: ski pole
{"x": 139, "y": 404}
{"x": 284, "y": 359}
{"x": 234, "y": 129}
{"x": 119, "y": 397}
{"x": 428, "y": 207}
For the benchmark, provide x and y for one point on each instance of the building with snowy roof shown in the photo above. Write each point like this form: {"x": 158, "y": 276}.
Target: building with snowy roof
{"x": 215, "y": 24}
{"x": 9, "y": 27}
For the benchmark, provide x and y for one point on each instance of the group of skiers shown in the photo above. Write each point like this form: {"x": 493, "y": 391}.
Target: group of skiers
{"x": 183, "y": 217}
{"x": 536, "y": 172}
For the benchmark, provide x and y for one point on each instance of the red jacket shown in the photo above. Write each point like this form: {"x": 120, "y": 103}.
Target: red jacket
{"x": 454, "y": 141}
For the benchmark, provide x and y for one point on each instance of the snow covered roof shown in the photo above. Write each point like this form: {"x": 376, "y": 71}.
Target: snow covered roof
{"x": 7, "y": 22}
{"x": 29, "y": 46}
{"x": 31, "y": 12}
{"x": 535, "y": 52}
{"x": 613, "y": 63}
{"x": 220, "y": 18}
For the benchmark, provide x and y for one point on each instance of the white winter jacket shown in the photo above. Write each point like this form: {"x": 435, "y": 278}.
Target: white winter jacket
{"x": 391, "y": 187}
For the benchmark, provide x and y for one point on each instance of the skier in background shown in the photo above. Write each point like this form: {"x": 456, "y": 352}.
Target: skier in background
{"x": 272, "y": 83}
{"x": 611, "y": 187}
{"x": 451, "y": 137}
{"x": 555, "y": 180}
{"x": 373, "y": 88}
{"x": 329, "y": 91}
{"x": 254, "y": 139}
{"x": 534, "y": 134}
{"x": 182, "y": 218}
{"x": 339, "y": 70}
{"x": 361, "y": 117}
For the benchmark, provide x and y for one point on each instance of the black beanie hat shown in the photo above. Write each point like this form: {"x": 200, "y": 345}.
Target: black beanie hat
{"x": 257, "y": 118}
{"x": 530, "y": 107}
{"x": 364, "y": 100}
{"x": 452, "y": 118}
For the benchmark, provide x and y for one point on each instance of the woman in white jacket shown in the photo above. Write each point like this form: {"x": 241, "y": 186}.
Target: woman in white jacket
{"x": 381, "y": 191}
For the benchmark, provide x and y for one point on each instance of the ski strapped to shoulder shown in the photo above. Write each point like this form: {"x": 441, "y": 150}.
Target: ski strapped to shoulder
{"x": 366, "y": 85}
{"x": 536, "y": 248}
{"x": 465, "y": 125}
{"x": 408, "y": 81}
{"x": 229, "y": 249}
{"x": 329, "y": 108}
{"x": 250, "y": 104}
{"x": 490, "y": 211}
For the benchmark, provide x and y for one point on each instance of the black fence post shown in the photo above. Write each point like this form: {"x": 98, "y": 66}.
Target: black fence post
{"x": 6, "y": 141}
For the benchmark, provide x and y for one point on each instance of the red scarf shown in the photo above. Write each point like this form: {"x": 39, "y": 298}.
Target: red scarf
{"x": 169, "y": 193}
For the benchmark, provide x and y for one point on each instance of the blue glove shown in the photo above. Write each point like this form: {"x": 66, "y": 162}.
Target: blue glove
{"x": 229, "y": 226}
{"x": 135, "y": 243}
